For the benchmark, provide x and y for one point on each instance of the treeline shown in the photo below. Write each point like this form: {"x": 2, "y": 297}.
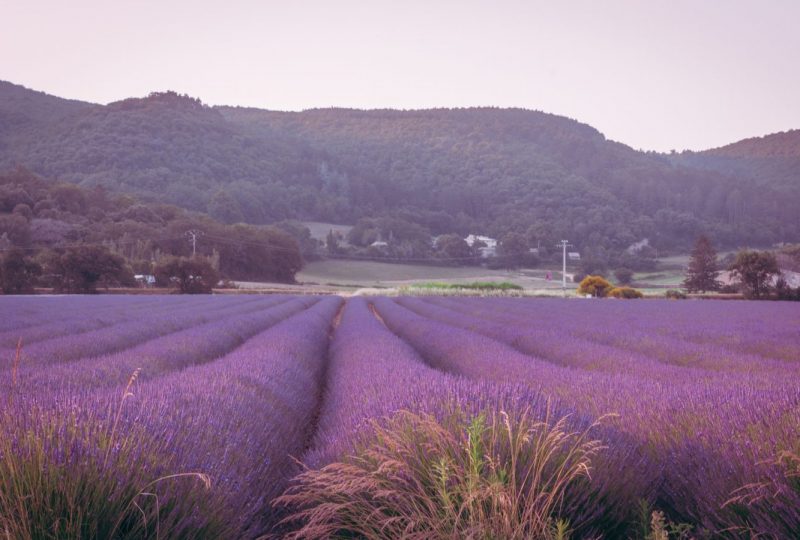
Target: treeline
{"x": 50, "y": 221}
{"x": 756, "y": 274}
{"x": 495, "y": 171}
{"x": 397, "y": 237}
{"x": 453, "y": 171}
{"x": 166, "y": 148}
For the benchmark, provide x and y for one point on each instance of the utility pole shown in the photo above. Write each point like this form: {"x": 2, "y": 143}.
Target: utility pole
{"x": 193, "y": 235}
{"x": 563, "y": 245}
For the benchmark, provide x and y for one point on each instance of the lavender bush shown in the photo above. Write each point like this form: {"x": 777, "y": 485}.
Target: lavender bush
{"x": 230, "y": 391}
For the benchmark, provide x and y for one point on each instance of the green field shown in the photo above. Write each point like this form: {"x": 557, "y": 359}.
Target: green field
{"x": 378, "y": 274}
{"x": 657, "y": 279}
{"x": 351, "y": 275}
{"x": 670, "y": 273}
{"x": 348, "y": 274}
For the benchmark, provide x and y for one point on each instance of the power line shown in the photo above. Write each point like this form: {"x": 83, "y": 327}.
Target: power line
{"x": 193, "y": 234}
{"x": 563, "y": 245}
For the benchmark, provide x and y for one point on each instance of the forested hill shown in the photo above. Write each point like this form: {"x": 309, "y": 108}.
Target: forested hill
{"x": 40, "y": 216}
{"x": 772, "y": 161}
{"x": 785, "y": 144}
{"x": 20, "y": 108}
{"x": 483, "y": 170}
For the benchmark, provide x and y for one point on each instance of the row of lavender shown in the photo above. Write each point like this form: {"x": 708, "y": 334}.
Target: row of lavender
{"x": 224, "y": 388}
{"x": 373, "y": 373}
{"x": 233, "y": 388}
{"x": 86, "y": 331}
{"x": 707, "y": 416}
{"x": 240, "y": 417}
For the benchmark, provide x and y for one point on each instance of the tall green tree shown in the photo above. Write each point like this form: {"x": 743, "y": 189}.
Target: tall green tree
{"x": 624, "y": 275}
{"x": 18, "y": 273}
{"x": 192, "y": 275}
{"x": 332, "y": 243}
{"x": 754, "y": 271}
{"x": 83, "y": 268}
{"x": 702, "y": 273}
{"x": 453, "y": 248}
{"x": 513, "y": 249}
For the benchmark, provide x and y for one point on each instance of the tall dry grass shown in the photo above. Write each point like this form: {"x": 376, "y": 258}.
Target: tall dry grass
{"x": 770, "y": 507}
{"x": 75, "y": 472}
{"x": 15, "y": 372}
{"x": 789, "y": 462}
{"x": 497, "y": 475}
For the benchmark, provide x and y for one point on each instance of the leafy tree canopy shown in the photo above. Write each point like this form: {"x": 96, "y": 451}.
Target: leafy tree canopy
{"x": 754, "y": 271}
{"x": 81, "y": 269}
{"x": 193, "y": 275}
{"x": 18, "y": 272}
{"x": 62, "y": 216}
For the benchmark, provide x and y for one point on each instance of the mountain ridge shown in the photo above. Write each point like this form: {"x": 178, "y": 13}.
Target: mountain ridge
{"x": 785, "y": 144}
{"x": 485, "y": 169}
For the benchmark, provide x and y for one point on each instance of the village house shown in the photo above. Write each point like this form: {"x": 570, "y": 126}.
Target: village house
{"x": 487, "y": 246}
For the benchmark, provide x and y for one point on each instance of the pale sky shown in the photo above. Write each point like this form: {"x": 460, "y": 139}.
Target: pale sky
{"x": 653, "y": 74}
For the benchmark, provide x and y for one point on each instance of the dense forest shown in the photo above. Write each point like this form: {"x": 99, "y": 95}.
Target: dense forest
{"x": 43, "y": 218}
{"x": 484, "y": 170}
{"x": 771, "y": 162}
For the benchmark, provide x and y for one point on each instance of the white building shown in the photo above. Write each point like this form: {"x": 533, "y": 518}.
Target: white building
{"x": 490, "y": 245}
{"x": 145, "y": 280}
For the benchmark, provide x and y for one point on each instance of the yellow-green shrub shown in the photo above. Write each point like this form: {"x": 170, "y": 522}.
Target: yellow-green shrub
{"x": 628, "y": 293}
{"x": 595, "y": 285}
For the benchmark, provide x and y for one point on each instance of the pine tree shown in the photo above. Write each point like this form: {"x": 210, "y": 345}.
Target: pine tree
{"x": 332, "y": 243}
{"x": 701, "y": 276}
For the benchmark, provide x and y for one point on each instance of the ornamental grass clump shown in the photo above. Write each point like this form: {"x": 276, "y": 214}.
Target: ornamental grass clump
{"x": 494, "y": 476}
{"x": 53, "y": 484}
{"x": 770, "y": 508}
{"x": 77, "y": 472}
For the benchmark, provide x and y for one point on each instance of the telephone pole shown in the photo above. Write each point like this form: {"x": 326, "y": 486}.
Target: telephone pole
{"x": 193, "y": 235}
{"x": 563, "y": 245}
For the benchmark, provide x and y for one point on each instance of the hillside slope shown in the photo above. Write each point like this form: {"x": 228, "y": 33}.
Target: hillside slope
{"x": 21, "y": 107}
{"x": 482, "y": 170}
{"x": 771, "y": 161}
{"x": 38, "y": 215}
{"x": 785, "y": 144}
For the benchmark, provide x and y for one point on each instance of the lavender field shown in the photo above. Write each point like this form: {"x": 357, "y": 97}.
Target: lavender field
{"x": 186, "y": 417}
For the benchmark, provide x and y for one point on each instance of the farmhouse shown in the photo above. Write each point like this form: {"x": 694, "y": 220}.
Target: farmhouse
{"x": 145, "y": 280}
{"x": 487, "y": 246}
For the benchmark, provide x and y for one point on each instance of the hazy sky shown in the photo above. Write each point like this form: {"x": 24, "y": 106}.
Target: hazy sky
{"x": 654, "y": 74}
